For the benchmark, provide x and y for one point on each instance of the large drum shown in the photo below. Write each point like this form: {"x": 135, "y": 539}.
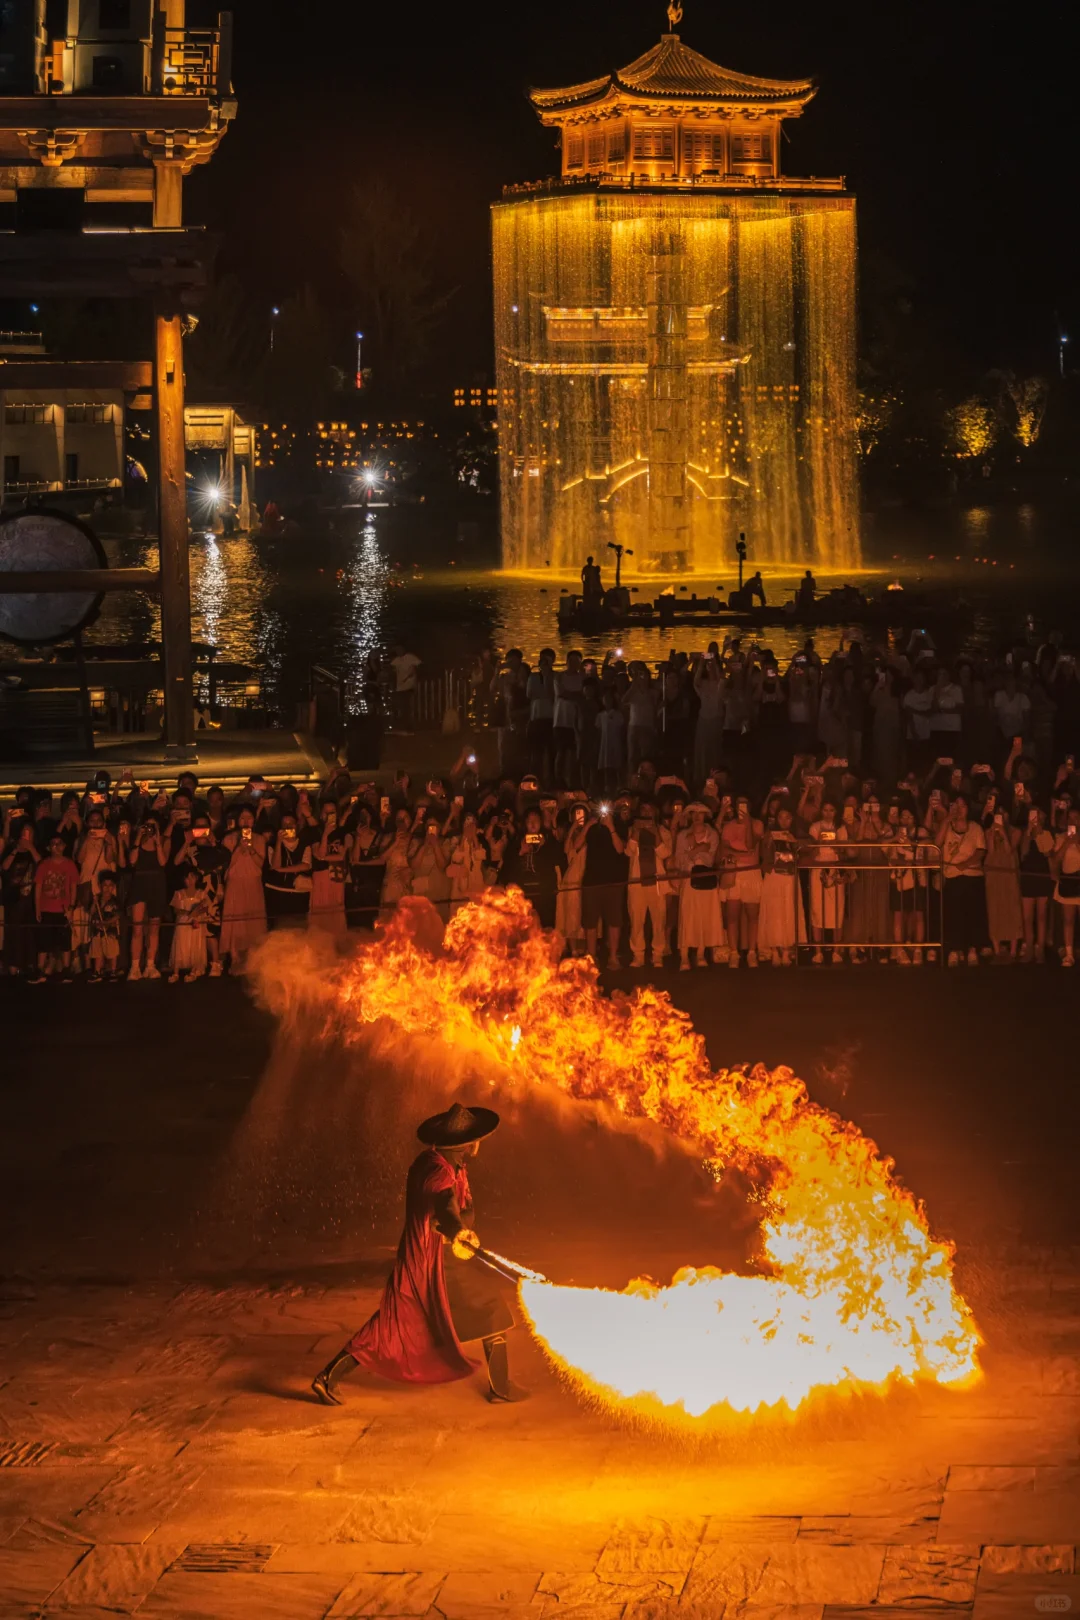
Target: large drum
{"x": 43, "y": 541}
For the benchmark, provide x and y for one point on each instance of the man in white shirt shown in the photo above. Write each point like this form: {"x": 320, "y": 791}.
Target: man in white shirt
{"x": 540, "y": 690}
{"x": 917, "y": 703}
{"x": 649, "y": 848}
{"x": 946, "y": 714}
{"x": 511, "y": 703}
{"x": 1012, "y": 708}
{"x": 404, "y": 665}
{"x": 569, "y": 684}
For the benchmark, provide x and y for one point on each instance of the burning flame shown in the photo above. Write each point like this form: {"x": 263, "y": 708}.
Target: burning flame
{"x": 860, "y": 1292}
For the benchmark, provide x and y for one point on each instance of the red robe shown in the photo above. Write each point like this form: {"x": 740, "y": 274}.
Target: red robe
{"x": 411, "y": 1337}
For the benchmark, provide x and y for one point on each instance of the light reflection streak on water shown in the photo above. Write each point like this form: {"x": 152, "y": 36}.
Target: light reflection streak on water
{"x": 209, "y": 590}
{"x": 366, "y": 584}
{"x": 230, "y": 583}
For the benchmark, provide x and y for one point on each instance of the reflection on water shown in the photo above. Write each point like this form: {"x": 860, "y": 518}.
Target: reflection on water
{"x": 285, "y": 606}
{"x": 210, "y": 593}
{"x": 368, "y": 578}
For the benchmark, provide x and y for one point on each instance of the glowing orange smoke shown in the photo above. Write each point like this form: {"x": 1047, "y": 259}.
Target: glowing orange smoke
{"x": 859, "y": 1290}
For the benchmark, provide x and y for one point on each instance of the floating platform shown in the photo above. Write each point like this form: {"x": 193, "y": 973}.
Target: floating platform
{"x": 896, "y": 609}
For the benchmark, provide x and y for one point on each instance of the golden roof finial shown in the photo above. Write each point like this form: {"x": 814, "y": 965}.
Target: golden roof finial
{"x": 674, "y": 14}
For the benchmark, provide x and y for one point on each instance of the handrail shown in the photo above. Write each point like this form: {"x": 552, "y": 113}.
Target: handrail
{"x": 604, "y": 181}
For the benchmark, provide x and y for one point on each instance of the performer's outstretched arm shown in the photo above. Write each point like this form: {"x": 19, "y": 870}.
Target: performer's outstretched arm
{"x": 448, "y": 1214}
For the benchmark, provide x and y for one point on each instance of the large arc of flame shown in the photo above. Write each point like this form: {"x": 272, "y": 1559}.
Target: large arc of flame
{"x": 860, "y": 1292}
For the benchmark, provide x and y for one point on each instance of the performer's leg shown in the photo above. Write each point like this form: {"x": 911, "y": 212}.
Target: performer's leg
{"x": 323, "y": 1382}
{"x": 501, "y": 1387}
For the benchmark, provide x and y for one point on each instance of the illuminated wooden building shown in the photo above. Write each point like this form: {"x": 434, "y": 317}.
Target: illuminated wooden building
{"x": 98, "y": 127}
{"x": 674, "y": 325}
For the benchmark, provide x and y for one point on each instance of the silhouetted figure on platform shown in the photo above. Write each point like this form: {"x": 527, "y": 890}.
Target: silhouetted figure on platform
{"x": 807, "y": 592}
{"x": 592, "y": 586}
{"x": 745, "y": 595}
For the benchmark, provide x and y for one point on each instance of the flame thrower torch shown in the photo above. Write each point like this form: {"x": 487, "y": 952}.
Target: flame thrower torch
{"x": 467, "y": 1246}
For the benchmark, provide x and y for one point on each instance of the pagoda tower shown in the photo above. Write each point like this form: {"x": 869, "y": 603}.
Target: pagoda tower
{"x": 675, "y": 329}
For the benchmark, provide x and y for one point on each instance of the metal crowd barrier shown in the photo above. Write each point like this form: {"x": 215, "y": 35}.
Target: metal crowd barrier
{"x": 926, "y": 893}
{"x": 853, "y": 859}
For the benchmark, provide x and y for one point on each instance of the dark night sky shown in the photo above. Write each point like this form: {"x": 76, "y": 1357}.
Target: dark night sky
{"x": 953, "y": 123}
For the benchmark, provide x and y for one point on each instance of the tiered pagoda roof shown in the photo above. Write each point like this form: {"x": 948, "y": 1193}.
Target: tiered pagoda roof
{"x": 673, "y": 72}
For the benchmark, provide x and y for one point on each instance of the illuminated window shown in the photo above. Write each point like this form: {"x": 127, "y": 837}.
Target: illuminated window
{"x": 655, "y": 143}
{"x": 89, "y": 413}
{"x": 616, "y": 147}
{"x": 704, "y": 148}
{"x": 575, "y": 152}
{"x": 25, "y": 415}
{"x": 751, "y": 148}
{"x": 597, "y": 146}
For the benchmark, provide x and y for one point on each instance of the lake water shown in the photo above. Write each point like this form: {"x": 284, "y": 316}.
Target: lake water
{"x": 395, "y": 576}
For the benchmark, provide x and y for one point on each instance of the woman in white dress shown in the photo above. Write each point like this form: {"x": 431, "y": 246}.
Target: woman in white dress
{"x": 781, "y": 924}
{"x": 191, "y": 910}
{"x": 827, "y": 883}
{"x": 568, "y": 900}
{"x": 701, "y": 924}
{"x": 466, "y": 867}
{"x": 429, "y": 857}
{"x": 397, "y": 875}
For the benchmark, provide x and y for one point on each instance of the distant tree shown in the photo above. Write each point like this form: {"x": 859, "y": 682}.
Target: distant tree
{"x": 225, "y": 352}
{"x": 1023, "y": 405}
{"x": 876, "y": 412}
{"x": 398, "y": 299}
{"x": 972, "y": 427}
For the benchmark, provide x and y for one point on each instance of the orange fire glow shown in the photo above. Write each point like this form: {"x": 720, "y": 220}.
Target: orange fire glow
{"x": 859, "y": 1292}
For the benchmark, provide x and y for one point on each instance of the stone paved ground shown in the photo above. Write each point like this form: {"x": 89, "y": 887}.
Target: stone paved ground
{"x": 159, "y": 1454}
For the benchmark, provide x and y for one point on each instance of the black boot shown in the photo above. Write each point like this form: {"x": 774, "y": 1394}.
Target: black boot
{"x": 323, "y": 1383}
{"x": 500, "y": 1386}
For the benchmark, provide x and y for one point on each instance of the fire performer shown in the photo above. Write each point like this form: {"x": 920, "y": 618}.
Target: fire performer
{"x": 437, "y": 1297}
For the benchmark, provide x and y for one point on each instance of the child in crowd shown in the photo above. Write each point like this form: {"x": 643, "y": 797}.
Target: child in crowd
{"x": 191, "y": 912}
{"x": 105, "y": 932}
{"x": 55, "y": 882}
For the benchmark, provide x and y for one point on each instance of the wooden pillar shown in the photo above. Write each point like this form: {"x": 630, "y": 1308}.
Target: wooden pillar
{"x": 168, "y": 195}
{"x": 173, "y": 530}
{"x": 229, "y": 480}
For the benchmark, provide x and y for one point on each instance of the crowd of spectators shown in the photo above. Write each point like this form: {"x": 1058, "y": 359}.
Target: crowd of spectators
{"x": 880, "y": 804}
